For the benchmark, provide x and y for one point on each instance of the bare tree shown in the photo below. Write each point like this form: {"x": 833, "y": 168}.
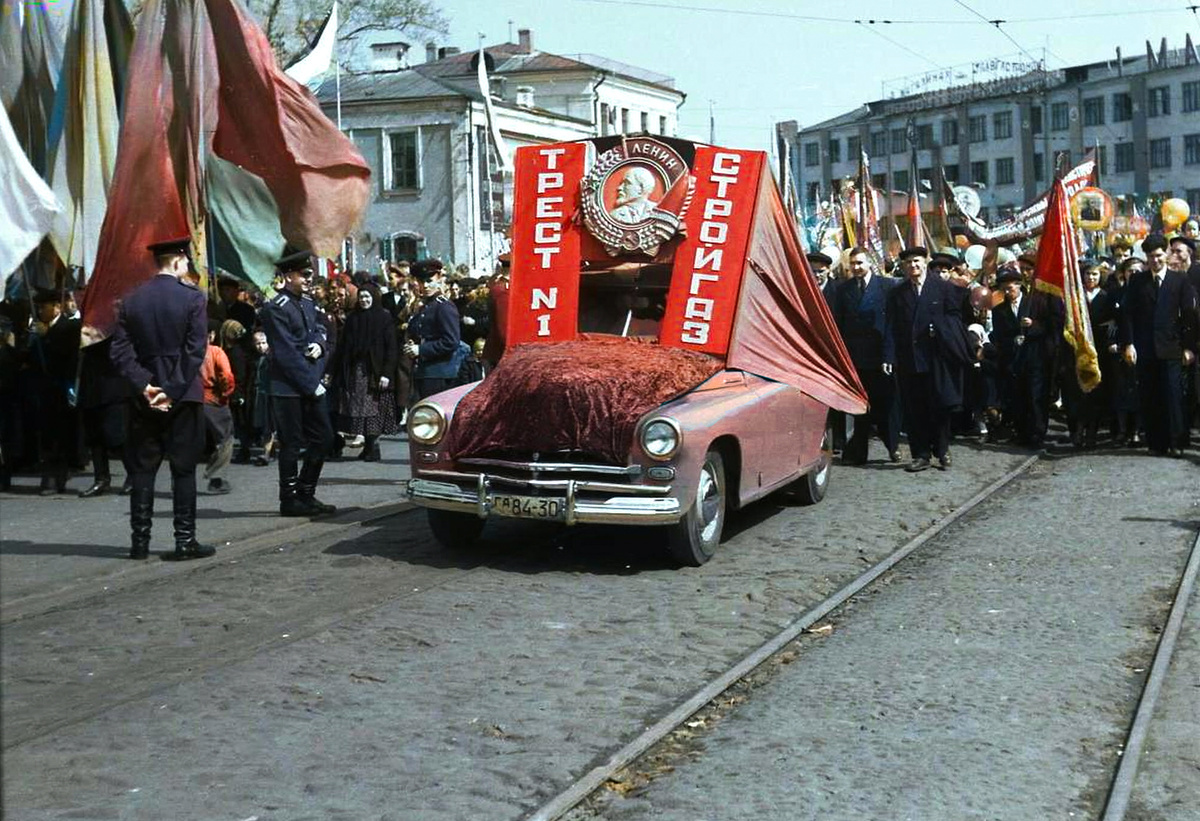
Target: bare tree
{"x": 291, "y": 27}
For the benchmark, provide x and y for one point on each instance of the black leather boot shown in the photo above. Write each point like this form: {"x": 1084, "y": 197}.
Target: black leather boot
{"x": 102, "y": 478}
{"x": 370, "y": 451}
{"x": 184, "y": 502}
{"x": 141, "y": 517}
{"x": 306, "y": 488}
{"x": 289, "y": 498}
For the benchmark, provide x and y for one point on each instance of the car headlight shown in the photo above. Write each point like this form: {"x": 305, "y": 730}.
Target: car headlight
{"x": 661, "y": 438}
{"x": 426, "y": 424}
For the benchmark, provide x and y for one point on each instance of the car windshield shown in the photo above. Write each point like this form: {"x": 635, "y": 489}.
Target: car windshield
{"x": 624, "y": 302}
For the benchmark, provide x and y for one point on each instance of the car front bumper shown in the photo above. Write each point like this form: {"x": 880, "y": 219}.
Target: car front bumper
{"x": 473, "y": 493}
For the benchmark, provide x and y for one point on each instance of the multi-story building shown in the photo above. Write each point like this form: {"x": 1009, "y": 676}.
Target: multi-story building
{"x": 423, "y": 130}
{"x": 1141, "y": 114}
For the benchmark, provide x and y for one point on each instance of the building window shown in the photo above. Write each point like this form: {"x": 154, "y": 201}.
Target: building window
{"x": 1004, "y": 171}
{"x": 662, "y": 124}
{"x": 1039, "y": 167}
{"x": 899, "y": 141}
{"x": 879, "y": 181}
{"x": 492, "y": 188}
{"x": 1001, "y": 125}
{"x": 835, "y": 149}
{"x": 1102, "y": 159}
{"x": 606, "y": 118}
{"x": 624, "y": 120}
{"x": 1191, "y": 149}
{"x": 646, "y": 122}
{"x": 1035, "y": 119}
{"x": 1122, "y": 107}
{"x": 1160, "y": 101}
{"x": 814, "y": 191}
{"x": 950, "y": 172}
{"x": 404, "y": 161}
{"x": 812, "y": 154}
{"x": 925, "y": 136}
{"x": 879, "y": 143}
{"x": 977, "y": 128}
{"x": 1192, "y": 195}
{"x": 925, "y": 178}
{"x": 949, "y": 132}
{"x": 979, "y": 172}
{"x": 1060, "y": 116}
{"x": 900, "y": 180}
{"x": 402, "y": 247}
{"x": 1123, "y": 155}
{"x": 1191, "y": 96}
{"x": 1093, "y": 111}
{"x": 853, "y": 148}
{"x": 1160, "y": 153}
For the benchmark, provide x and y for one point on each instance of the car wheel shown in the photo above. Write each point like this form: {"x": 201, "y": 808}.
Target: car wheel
{"x": 811, "y": 487}
{"x": 454, "y": 530}
{"x": 693, "y": 540}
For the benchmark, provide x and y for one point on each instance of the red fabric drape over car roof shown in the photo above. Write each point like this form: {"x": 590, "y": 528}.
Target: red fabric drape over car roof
{"x": 784, "y": 329}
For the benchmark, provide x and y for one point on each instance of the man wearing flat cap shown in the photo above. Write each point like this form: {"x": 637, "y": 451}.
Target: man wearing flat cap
{"x": 1158, "y": 335}
{"x": 925, "y": 344}
{"x": 159, "y": 345}
{"x": 1026, "y": 328}
{"x": 229, "y": 289}
{"x": 434, "y": 334}
{"x": 822, "y": 268}
{"x": 299, "y": 351}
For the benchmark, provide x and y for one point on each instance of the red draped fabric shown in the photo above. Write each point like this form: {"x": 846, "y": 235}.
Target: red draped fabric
{"x": 784, "y": 329}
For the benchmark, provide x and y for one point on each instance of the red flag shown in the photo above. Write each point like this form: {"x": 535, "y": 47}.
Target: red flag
{"x": 916, "y": 227}
{"x": 1057, "y": 273}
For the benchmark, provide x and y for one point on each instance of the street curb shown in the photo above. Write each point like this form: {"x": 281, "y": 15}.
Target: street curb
{"x": 135, "y": 573}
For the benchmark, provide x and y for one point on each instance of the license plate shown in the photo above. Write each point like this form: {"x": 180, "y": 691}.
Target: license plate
{"x": 530, "y": 507}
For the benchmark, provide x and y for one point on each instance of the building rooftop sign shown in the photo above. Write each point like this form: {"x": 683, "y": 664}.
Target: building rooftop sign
{"x": 976, "y": 80}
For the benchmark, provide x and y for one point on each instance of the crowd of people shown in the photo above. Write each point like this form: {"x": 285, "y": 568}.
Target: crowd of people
{"x": 943, "y": 349}
{"x": 293, "y": 378}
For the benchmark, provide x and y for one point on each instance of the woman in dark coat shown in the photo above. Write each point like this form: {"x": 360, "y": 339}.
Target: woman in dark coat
{"x": 363, "y": 368}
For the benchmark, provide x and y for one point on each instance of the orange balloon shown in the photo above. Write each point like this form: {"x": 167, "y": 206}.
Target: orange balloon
{"x": 961, "y": 242}
{"x": 1174, "y": 213}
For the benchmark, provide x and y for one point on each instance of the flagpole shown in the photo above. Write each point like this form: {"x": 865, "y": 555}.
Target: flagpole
{"x": 487, "y": 159}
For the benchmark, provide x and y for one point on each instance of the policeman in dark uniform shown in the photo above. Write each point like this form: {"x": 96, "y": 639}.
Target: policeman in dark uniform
{"x": 434, "y": 334}
{"x": 159, "y": 346}
{"x": 296, "y": 364}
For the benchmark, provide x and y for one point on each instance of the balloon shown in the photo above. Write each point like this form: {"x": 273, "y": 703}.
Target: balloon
{"x": 974, "y": 256}
{"x": 1174, "y": 213}
{"x": 961, "y": 242}
{"x": 981, "y": 298}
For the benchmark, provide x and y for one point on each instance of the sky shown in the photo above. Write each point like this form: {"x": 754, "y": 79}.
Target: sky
{"x": 756, "y": 62}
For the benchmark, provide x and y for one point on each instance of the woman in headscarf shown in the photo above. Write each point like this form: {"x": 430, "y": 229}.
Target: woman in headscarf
{"x": 363, "y": 368}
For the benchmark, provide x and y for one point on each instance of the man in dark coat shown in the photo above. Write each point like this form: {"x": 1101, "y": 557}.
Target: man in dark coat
{"x": 434, "y": 334}
{"x": 299, "y": 350}
{"x": 159, "y": 346}
{"x": 54, "y": 355}
{"x": 1026, "y": 329}
{"x": 1158, "y": 336}
{"x": 104, "y": 396}
{"x": 925, "y": 344}
{"x": 822, "y": 268}
{"x": 859, "y": 310}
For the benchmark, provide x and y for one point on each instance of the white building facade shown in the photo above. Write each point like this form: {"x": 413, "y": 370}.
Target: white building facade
{"x": 423, "y": 131}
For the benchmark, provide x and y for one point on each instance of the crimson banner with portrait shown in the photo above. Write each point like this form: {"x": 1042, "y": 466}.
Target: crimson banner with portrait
{"x": 544, "y": 294}
{"x": 711, "y": 258}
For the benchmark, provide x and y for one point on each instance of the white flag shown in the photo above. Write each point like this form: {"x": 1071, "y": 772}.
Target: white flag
{"x": 311, "y": 68}
{"x": 493, "y": 126}
{"x": 27, "y": 205}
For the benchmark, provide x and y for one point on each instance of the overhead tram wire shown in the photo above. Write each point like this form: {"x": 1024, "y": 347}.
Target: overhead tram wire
{"x": 898, "y": 44}
{"x": 997, "y": 24}
{"x": 881, "y": 21}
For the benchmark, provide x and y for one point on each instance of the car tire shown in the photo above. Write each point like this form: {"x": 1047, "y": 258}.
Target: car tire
{"x": 812, "y": 486}
{"x": 453, "y": 530}
{"x": 693, "y": 540}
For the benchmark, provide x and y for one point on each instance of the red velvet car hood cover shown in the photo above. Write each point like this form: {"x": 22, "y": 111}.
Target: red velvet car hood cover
{"x": 586, "y": 395}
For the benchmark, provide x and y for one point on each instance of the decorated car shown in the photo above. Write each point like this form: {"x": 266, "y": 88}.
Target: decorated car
{"x": 668, "y": 359}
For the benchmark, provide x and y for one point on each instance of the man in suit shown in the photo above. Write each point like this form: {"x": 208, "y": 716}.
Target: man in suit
{"x": 822, "y": 268}
{"x": 925, "y": 345}
{"x": 54, "y": 355}
{"x": 1158, "y": 336}
{"x": 159, "y": 346}
{"x": 434, "y": 333}
{"x": 859, "y": 308}
{"x": 299, "y": 350}
{"x": 1026, "y": 329}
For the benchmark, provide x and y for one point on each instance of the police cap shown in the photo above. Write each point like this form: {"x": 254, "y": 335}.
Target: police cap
{"x": 427, "y": 268}
{"x": 178, "y": 245}
{"x": 294, "y": 261}
{"x": 43, "y": 296}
